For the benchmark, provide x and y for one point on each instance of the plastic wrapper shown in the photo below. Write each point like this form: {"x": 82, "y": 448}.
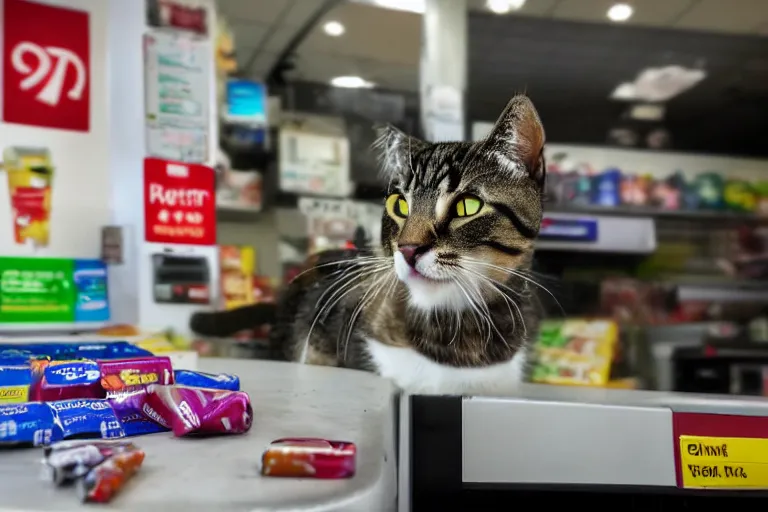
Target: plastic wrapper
{"x": 200, "y": 411}
{"x": 207, "y": 380}
{"x": 69, "y": 351}
{"x": 129, "y": 374}
{"x": 102, "y": 482}
{"x": 15, "y": 384}
{"x": 86, "y": 418}
{"x": 31, "y": 423}
{"x": 65, "y": 380}
{"x": 67, "y": 461}
{"x": 136, "y": 417}
{"x": 309, "y": 458}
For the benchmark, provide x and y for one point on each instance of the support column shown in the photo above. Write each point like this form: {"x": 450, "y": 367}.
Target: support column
{"x": 443, "y": 74}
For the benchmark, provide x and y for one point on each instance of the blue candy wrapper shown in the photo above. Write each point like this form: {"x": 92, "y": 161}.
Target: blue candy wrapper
{"x": 70, "y": 351}
{"x": 29, "y": 423}
{"x": 207, "y": 380}
{"x": 87, "y": 418}
{"x": 15, "y": 384}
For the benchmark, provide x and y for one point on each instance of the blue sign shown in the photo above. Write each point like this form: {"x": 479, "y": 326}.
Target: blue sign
{"x": 246, "y": 102}
{"x": 91, "y": 299}
{"x": 568, "y": 230}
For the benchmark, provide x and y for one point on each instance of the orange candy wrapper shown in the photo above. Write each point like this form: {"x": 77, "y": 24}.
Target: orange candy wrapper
{"x": 107, "y": 479}
{"x": 309, "y": 458}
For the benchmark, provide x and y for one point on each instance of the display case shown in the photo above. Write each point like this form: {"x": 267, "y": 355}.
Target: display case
{"x": 632, "y": 450}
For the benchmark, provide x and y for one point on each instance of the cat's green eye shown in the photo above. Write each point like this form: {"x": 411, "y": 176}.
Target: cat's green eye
{"x": 397, "y": 205}
{"x": 467, "y": 206}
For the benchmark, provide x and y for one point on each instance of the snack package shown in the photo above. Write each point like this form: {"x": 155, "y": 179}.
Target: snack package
{"x": 309, "y": 458}
{"x": 709, "y": 188}
{"x": 30, "y": 423}
{"x": 128, "y": 374}
{"x": 135, "y": 416}
{"x": 101, "y": 483}
{"x": 200, "y": 411}
{"x": 74, "y": 459}
{"x": 740, "y": 196}
{"x": 72, "y": 351}
{"x": 15, "y": 384}
{"x": 86, "y": 418}
{"x": 606, "y": 188}
{"x": 65, "y": 380}
{"x": 207, "y": 380}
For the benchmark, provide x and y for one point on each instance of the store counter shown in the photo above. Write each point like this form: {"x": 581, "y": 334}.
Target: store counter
{"x": 586, "y": 443}
{"x": 223, "y": 473}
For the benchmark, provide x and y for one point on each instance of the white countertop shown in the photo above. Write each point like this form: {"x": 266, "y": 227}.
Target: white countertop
{"x": 222, "y": 474}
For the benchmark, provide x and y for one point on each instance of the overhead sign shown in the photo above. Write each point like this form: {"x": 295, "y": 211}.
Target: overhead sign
{"x": 46, "y": 66}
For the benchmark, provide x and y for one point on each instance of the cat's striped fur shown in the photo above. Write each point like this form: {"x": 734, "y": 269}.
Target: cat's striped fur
{"x": 445, "y": 304}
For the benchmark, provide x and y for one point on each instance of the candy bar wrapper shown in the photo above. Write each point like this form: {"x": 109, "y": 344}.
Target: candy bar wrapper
{"x": 309, "y": 458}
{"x": 129, "y": 374}
{"x": 86, "y": 418}
{"x": 108, "y": 478}
{"x": 135, "y": 415}
{"x": 30, "y": 423}
{"x": 65, "y": 380}
{"x": 207, "y": 380}
{"x": 67, "y": 461}
{"x": 15, "y": 384}
{"x": 69, "y": 351}
{"x": 200, "y": 411}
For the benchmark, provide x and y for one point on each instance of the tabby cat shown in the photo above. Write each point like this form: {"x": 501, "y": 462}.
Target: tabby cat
{"x": 446, "y": 304}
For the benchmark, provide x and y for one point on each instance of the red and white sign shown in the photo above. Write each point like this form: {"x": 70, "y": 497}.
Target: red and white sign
{"x": 179, "y": 203}
{"x": 46, "y": 66}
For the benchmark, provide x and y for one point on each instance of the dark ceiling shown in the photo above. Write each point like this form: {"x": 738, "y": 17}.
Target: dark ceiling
{"x": 570, "y": 69}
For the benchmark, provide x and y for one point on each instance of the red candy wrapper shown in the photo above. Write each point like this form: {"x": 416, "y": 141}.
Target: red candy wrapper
{"x": 108, "y": 478}
{"x": 69, "y": 460}
{"x": 200, "y": 411}
{"x": 309, "y": 458}
{"x": 130, "y": 374}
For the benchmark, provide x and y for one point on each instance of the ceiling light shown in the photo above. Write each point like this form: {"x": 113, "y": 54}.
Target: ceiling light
{"x": 333, "y": 28}
{"x": 504, "y": 6}
{"x": 620, "y": 12}
{"x": 352, "y": 82}
{"x": 417, "y": 6}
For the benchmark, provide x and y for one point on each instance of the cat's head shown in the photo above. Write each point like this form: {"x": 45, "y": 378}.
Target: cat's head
{"x": 460, "y": 216}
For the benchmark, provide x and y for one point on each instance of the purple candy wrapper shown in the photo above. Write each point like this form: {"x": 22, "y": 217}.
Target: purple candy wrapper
{"x": 200, "y": 411}
{"x": 136, "y": 417}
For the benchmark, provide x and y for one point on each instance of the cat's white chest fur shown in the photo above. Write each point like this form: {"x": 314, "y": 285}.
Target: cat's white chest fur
{"x": 416, "y": 374}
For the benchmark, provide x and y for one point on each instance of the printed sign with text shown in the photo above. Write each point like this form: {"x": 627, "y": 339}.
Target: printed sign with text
{"x": 46, "y": 66}
{"x": 179, "y": 203}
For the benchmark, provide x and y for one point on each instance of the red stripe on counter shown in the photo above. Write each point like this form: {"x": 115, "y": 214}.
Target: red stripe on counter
{"x": 714, "y": 425}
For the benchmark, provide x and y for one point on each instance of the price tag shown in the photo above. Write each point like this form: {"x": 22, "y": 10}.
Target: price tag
{"x": 724, "y": 462}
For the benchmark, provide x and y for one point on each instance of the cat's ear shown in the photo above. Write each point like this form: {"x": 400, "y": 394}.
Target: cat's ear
{"x": 394, "y": 150}
{"x": 518, "y": 138}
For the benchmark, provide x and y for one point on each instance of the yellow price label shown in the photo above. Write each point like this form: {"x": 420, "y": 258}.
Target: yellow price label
{"x": 723, "y": 449}
{"x": 724, "y": 462}
{"x": 14, "y": 394}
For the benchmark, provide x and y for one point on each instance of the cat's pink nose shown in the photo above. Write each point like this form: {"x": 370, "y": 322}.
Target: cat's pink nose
{"x": 412, "y": 253}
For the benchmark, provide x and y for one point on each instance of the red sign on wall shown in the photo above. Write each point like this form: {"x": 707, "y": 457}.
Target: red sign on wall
{"x": 179, "y": 203}
{"x": 46, "y": 66}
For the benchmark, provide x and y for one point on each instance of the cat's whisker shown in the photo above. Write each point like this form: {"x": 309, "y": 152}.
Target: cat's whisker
{"x": 374, "y": 287}
{"x": 509, "y": 300}
{"x": 463, "y": 285}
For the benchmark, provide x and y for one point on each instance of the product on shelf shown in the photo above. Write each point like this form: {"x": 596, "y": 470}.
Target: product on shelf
{"x": 201, "y": 411}
{"x": 119, "y": 330}
{"x": 575, "y": 352}
{"x": 665, "y": 195}
{"x": 237, "y": 267}
{"x": 606, "y": 188}
{"x": 635, "y": 190}
{"x": 740, "y": 196}
{"x": 709, "y": 188}
{"x": 309, "y": 458}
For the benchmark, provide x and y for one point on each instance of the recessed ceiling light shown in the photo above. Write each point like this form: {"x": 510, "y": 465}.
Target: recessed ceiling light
{"x": 351, "y": 82}
{"x": 504, "y": 6}
{"x": 620, "y": 12}
{"x": 334, "y": 28}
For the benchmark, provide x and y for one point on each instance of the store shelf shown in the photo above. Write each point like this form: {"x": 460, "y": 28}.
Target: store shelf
{"x": 230, "y": 214}
{"x": 31, "y": 329}
{"x": 655, "y": 213}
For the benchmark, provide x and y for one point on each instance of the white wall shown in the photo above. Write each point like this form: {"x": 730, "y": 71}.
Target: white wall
{"x": 80, "y": 199}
